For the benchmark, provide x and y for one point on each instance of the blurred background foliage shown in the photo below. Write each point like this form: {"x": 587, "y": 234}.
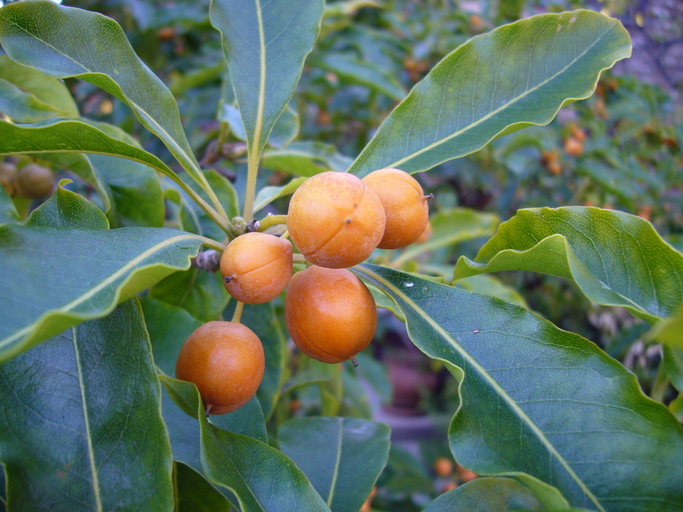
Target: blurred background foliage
{"x": 619, "y": 149}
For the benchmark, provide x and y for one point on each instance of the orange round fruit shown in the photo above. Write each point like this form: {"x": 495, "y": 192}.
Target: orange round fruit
{"x": 34, "y": 181}
{"x": 330, "y": 314}
{"x": 426, "y": 234}
{"x": 335, "y": 220}
{"x": 225, "y": 360}
{"x": 405, "y": 205}
{"x": 443, "y": 467}
{"x": 256, "y": 267}
{"x": 573, "y": 147}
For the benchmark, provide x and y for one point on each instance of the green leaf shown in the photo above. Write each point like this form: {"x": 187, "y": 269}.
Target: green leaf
{"x": 23, "y": 107}
{"x": 200, "y": 293}
{"x": 267, "y": 195}
{"x": 515, "y": 76}
{"x": 261, "y": 477}
{"x": 669, "y": 330}
{"x": 673, "y": 365}
{"x": 451, "y": 227}
{"x": 168, "y": 327}
{"x": 342, "y": 457}
{"x": 67, "y": 135}
{"x": 60, "y": 278}
{"x": 265, "y": 44}
{"x": 305, "y": 159}
{"x": 50, "y": 95}
{"x": 615, "y": 258}
{"x": 499, "y": 494}
{"x": 263, "y": 320}
{"x": 59, "y": 41}
{"x": 359, "y": 71}
{"x": 489, "y": 285}
{"x": 77, "y": 432}
{"x": 285, "y": 129}
{"x": 195, "y": 494}
{"x": 66, "y": 209}
{"x": 556, "y": 406}
{"x": 135, "y": 190}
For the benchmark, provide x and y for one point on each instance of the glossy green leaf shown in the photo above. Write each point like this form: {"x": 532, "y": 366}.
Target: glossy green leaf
{"x": 266, "y": 44}
{"x": 135, "y": 189}
{"x": 451, "y": 227}
{"x": 499, "y": 494}
{"x": 267, "y": 195}
{"x": 556, "y": 406}
{"x": 263, "y": 320}
{"x": 489, "y": 285}
{"x": 195, "y": 494}
{"x": 305, "y": 159}
{"x": 50, "y": 95}
{"x": 285, "y": 129}
{"x": 673, "y": 365}
{"x": 615, "y": 258}
{"x": 59, "y": 41}
{"x": 66, "y": 209}
{"x": 359, "y": 71}
{"x": 57, "y": 278}
{"x": 261, "y": 477}
{"x": 76, "y": 432}
{"x": 342, "y": 457}
{"x": 67, "y": 135}
{"x": 200, "y": 293}
{"x": 515, "y": 76}
{"x": 23, "y": 107}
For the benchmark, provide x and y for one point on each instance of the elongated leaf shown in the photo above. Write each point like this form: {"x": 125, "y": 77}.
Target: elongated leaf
{"x": 362, "y": 72}
{"x": 195, "y": 494}
{"x": 285, "y": 129}
{"x": 135, "y": 191}
{"x": 269, "y": 194}
{"x": 615, "y": 258}
{"x": 670, "y": 331}
{"x": 50, "y": 93}
{"x": 261, "y": 477}
{"x": 59, "y": 41}
{"x": 515, "y": 76}
{"x": 266, "y": 44}
{"x": 555, "y": 406}
{"x": 21, "y": 106}
{"x": 66, "y": 209}
{"x": 77, "y": 432}
{"x": 53, "y": 278}
{"x": 341, "y": 456}
{"x": 67, "y": 135}
{"x": 305, "y": 159}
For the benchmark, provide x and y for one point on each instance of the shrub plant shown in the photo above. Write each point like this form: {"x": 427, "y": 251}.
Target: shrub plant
{"x": 117, "y": 334}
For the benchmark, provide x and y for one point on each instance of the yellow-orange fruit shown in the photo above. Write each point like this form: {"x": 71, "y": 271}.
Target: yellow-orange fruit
{"x": 555, "y": 168}
{"x": 443, "y": 467}
{"x": 225, "y": 361}
{"x": 573, "y": 147}
{"x": 256, "y": 267}
{"x": 8, "y": 172}
{"x": 577, "y": 132}
{"x": 465, "y": 475}
{"x": 35, "y": 181}
{"x": 335, "y": 220}
{"x": 330, "y": 314}
{"x": 405, "y": 205}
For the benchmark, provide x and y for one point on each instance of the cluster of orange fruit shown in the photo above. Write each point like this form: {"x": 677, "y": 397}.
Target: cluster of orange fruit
{"x": 336, "y": 220}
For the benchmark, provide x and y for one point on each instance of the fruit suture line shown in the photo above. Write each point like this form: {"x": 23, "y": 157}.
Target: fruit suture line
{"x": 335, "y": 220}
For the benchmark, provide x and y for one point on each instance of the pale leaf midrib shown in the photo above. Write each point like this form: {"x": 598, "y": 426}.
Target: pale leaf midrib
{"x": 99, "y": 287}
{"x": 86, "y": 421}
{"x": 492, "y": 382}
{"x": 491, "y": 114}
{"x": 337, "y": 462}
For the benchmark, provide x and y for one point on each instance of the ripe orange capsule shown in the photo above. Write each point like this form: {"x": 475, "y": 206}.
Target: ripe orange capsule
{"x": 405, "y": 206}
{"x": 256, "y": 267}
{"x": 573, "y": 147}
{"x": 335, "y": 220}
{"x": 330, "y": 314}
{"x": 225, "y": 360}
